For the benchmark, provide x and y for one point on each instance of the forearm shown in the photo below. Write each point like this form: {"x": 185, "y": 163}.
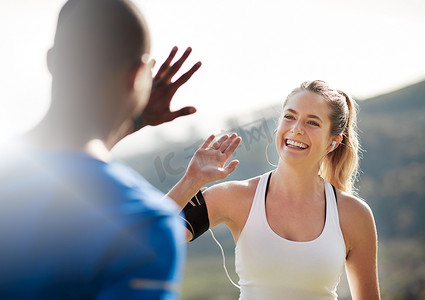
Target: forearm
{"x": 185, "y": 189}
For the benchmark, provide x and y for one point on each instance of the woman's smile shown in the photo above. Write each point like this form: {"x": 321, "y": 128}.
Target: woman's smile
{"x": 294, "y": 144}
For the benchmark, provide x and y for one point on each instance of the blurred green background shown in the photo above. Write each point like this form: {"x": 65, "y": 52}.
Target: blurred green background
{"x": 392, "y": 182}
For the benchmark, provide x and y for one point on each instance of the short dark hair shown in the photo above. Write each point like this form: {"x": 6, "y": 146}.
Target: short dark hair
{"x": 99, "y": 35}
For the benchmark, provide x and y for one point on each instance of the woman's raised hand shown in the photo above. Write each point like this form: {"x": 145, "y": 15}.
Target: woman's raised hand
{"x": 209, "y": 162}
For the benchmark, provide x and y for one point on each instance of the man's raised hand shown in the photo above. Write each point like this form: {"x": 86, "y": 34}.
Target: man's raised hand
{"x": 157, "y": 110}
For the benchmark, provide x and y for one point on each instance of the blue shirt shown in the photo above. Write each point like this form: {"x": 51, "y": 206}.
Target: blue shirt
{"x": 74, "y": 227}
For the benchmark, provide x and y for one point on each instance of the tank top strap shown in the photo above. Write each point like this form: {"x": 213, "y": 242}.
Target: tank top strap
{"x": 331, "y": 204}
{"x": 260, "y": 193}
{"x": 258, "y": 205}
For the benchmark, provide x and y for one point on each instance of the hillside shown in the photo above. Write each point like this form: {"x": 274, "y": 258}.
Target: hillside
{"x": 392, "y": 134}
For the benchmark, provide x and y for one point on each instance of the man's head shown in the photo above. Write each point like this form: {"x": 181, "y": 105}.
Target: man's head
{"x": 95, "y": 40}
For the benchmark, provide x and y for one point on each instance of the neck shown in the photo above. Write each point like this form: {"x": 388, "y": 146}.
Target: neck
{"x": 77, "y": 130}
{"x": 295, "y": 182}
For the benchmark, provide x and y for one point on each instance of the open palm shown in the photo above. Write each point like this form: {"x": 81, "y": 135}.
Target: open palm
{"x": 209, "y": 162}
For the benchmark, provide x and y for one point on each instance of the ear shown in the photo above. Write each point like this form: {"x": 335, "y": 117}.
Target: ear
{"x": 335, "y": 143}
{"x": 132, "y": 74}
{"x": 139, "y": 84}
{"x": 140, "y": 76}
{"x": 50, "y": 59}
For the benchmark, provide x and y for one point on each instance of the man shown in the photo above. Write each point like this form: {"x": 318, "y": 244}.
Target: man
{"x": 75, "y": 223}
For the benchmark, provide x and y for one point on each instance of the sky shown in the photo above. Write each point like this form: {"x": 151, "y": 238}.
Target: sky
{"x": 254, "y": 52}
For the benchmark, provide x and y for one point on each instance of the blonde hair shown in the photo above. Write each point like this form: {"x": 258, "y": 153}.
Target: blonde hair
{"x": 339, "y": 167}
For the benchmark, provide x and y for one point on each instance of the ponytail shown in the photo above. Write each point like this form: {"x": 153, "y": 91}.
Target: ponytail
{"x": 340, "y": 167}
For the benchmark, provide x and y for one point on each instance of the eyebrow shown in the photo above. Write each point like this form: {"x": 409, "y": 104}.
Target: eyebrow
{"x": 309, "y": 116}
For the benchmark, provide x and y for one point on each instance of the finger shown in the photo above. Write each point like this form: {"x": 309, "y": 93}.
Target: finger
{"x": 226, "y": 144}
{"x": 232, "y": 147}
{"x": 186, "y": 76}
{"x": 166, "y": 64}
{"x": 230, "y": 167}
{"x": 208, "y": 141}
{"x": 188, "y": 110}
{"x": 177, "y": 65}
{"x": 220, "y": 141}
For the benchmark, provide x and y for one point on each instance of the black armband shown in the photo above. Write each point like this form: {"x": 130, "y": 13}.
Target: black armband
{"x": 196, "y": 216}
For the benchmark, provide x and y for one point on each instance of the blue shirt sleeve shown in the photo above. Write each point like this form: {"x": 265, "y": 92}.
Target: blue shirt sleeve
{"x": 145, "y": 261}
{"x": 146, "y": 264}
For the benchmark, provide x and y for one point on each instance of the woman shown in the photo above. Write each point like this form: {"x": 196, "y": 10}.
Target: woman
{"x": 296, "y": 227}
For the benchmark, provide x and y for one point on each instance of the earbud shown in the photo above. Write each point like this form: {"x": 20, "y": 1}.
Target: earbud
{"x": 333, "y": 146}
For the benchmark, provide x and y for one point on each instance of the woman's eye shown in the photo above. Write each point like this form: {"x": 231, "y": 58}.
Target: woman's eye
{"x": 289, "y": 117}
{"x": 313, "y": 123}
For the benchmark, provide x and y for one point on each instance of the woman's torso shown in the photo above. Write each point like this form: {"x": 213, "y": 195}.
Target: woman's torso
{"x": 272, "y": 267}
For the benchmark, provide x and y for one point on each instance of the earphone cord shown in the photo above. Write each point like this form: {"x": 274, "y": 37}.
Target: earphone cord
{"x": 224, "y": 260}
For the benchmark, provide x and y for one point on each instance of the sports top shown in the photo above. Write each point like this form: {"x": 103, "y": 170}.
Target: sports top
{"x": 271, "y": 267}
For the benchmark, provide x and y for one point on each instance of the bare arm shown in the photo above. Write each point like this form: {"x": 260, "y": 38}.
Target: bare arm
{"x": 361, "y": 264}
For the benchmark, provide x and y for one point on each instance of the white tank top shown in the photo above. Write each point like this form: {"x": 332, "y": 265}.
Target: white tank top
{"x": 271, "y": 267}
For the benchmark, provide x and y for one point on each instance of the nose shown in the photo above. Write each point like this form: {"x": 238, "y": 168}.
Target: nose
{"x": 297, "y": 128}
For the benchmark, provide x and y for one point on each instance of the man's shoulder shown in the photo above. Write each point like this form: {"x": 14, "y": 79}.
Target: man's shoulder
{"x": 138, "y": 191}
{"x": 74, "y": 174}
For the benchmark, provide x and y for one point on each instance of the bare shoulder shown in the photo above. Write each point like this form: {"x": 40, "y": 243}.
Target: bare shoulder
{"x": 356, "y": 219}
{"x": 230, "y": 202}
{"x": 233, "y": 189}
{"x": 353, "y": 207}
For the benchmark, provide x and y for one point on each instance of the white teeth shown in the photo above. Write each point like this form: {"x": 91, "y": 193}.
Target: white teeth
{"x": 296, "y": 144}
